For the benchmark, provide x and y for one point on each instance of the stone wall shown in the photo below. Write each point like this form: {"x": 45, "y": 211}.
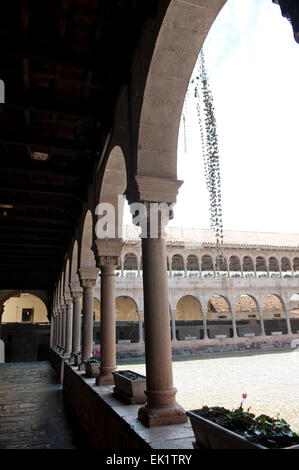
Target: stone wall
{"x": 26, "y": 342}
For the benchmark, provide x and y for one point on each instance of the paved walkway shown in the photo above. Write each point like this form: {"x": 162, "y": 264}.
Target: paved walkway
{"x": 32, "y": 414}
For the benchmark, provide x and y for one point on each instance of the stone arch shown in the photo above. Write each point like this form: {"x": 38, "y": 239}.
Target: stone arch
{"x": 235, "y": 266}
{"x": 248, "y": 266}
{"x": 110, "y": 194}
{"x": 126, "y": 319}
{"x": 286, "y": 266}
{"x": 273, "y": 266}
{"x": 87, "y": 259}
{"x": 296, "y": 266}
{"x": 219, "y": 318}
{"x": 74, "y": 279}
{"x": 26, "y": 307}
{"x": 207, "y": 266}
{"x": 261, "y": 266}
{"x": 274, "y": 313}
{"x": 188, "y": 308}
{"x": 193, "y": 266}
{"x": 293, "y": 312}
{"x": 188, "y": 318}
{"x": 130, "y": 263}
{"x": 247, "y": 314}
{"x": 177, "y": 265}
{"x": 67, "y": 277}
{"x": 181, "y": 36}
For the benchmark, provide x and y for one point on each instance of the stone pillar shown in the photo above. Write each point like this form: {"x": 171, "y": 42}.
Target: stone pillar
{"x": 288, "y": 321}
{"x": 205, "y": 328}
{"x": 138, "y": 264}
{"x": 60, "y": 329}
{"x": 88, "y": 278}
{"x": 263, "y": 333}
{"x": 173, "y": 328}
{"x": 161, "y": 407}
{"x": 140, "y": 319}
{"x": 63, "y": 327}
{"x": 185, "y": 268}
{"x": 108, "y": 333}
{"x": 69, "y": 324}
{"x": 76, "y": 339}
{"x": 122, "y": 267}
{"x": 234, "y": 323}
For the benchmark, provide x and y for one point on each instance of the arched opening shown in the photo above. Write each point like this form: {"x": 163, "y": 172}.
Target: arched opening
{"x": 247, "y": 316}
{"x": 294, "y": 313}
{"x": 274, "y": 315}
{"x": 235, "y": 266}
{"x": 130, "y": 265}
{"x": 207, "y": 266}
{"x": 261, "y": 267}
{"x": 248, "y": 267}
{"x": 96, "y": 321}
{"x": 219, "y": 320}
{"x": 127, "y": 320}
{"x": 74, "y": 279}
{"x": 188, "y": 319}
{"x": 286, "y": 267}
{"x": 25, "y": 328}
{"x": 273, "y": 267}
{"x": 296, "y": 267}
{"x": 192, "y": 266}
{"x": 87, "y": 259}
{"x": 177, "y": 266}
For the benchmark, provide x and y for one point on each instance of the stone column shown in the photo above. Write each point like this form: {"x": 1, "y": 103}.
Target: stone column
{"x": 108, "y": 333}
{"x": 185, "y": 268}
{"x": 288, "y": 321}
{"x": 173, "y": 327}
{"x": 234, "y": 323}
{"x": 122, "y": 267}
{"x": 76, "y": 292}
{"x": 63, "y": 327}
{"x": 205, "y": 328}
{"x": 60, "y": 329}
{"x": 140, "y": 319}
{"x": 161, "y": 407}
{"x": 69, "y": 324}
{"x": 263, "y": 333}
{"x": 88, "y": 278}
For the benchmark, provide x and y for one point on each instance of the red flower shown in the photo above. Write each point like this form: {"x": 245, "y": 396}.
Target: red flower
{"x": 244, "y": 395}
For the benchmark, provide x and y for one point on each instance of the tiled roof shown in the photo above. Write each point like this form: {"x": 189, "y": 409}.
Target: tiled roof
{"x": 205, "y": 237}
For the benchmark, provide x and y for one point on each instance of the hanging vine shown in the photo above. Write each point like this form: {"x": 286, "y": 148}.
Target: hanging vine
{"x": 210, "y": 152}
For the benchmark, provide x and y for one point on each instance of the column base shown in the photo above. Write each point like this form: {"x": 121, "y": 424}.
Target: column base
{"x": 105, "y": 380}
{"x": 81, "y": 366}
{"x": 162, "y": 416}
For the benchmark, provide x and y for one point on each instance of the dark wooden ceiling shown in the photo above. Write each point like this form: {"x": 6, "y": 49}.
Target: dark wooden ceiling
{"x": 63, "y": 63}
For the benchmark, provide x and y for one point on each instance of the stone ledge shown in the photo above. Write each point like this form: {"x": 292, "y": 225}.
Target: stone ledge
{"x": 109, "y": 423}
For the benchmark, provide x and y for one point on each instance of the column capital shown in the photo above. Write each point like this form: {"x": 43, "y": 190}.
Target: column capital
{"x": 108, "y": 261}
{"x": 153, "y": 189}
{"x": 68, "y": 300}
{"x": 88, "y": 276}
{"x": 76, "y": 290}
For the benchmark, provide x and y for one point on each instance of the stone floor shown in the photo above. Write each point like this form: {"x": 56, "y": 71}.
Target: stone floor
{"x": 32, "y": 413}
{"x": 271, "y": 381}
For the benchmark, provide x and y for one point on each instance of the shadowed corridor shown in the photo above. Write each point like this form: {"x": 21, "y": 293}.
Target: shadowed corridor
{"x": 33, "y": 414}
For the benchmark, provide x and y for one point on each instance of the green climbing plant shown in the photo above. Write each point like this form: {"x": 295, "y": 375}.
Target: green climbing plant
{"x": 209, "y": 147}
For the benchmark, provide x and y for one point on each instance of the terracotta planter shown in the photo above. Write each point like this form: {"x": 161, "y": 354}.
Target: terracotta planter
{"x": 92, "y": 369}
{"x": 210, "y": 435}
{"x": 130, "y": 389}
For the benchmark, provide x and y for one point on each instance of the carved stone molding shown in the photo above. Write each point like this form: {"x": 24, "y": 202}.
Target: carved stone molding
{"x": 153, "y": 189}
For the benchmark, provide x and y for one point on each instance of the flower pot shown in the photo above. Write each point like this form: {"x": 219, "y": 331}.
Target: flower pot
{"x": 210, "y": 435}
{"x": 129, "y": 386}
{"x": 92, "y": 369}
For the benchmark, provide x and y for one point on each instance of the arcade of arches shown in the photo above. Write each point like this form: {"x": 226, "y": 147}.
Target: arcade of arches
{"x": 78, "y": 134}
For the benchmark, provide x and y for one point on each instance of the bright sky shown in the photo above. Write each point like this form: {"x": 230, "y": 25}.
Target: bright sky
{"x": 252, "y": 62}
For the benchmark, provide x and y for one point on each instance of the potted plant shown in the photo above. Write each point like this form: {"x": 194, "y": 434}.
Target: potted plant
{"x": 129, "y": 386}
{"x": 218, "y": 428}
{"x": 92, "y": 367}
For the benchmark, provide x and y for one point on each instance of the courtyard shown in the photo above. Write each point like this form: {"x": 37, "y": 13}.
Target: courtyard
{"x": 271, "y": 381}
